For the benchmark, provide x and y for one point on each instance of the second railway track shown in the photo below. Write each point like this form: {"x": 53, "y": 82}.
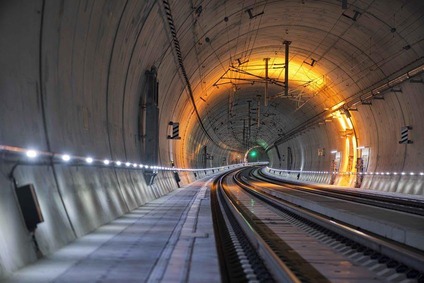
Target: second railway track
{"x": 296, "y": 245}
{"x": 407, "y": 205}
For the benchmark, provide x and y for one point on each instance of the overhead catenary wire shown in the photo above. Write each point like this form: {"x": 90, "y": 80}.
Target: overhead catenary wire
{"x": 177, "y": 48}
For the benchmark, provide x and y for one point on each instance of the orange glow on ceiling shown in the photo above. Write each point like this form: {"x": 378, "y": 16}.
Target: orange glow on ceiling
{"x": 254, "y": 72}
{"x": 303, "y": 79}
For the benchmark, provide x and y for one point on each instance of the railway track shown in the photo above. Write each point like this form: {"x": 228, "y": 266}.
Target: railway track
{"x": 295, "y": 245}
{"x": 390, "y": 202}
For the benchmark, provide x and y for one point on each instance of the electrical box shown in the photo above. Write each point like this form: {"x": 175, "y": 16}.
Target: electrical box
{"x": 30, "y": 207}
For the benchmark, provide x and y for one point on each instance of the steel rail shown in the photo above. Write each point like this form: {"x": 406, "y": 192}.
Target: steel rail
{"x": 275, "y": 265}
{"x": 393, "y": 203}
{"x": 408, "y": 256}
{"x": 239, "y": 261}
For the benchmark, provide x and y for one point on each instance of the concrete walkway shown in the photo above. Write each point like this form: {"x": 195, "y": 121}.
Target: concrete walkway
{"x": 167, "y": 240}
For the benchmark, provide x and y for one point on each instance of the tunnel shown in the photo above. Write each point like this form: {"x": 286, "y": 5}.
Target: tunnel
{"x": 107, "y": 105}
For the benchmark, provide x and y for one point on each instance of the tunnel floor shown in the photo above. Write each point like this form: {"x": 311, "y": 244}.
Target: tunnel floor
{"x": 169, "y": 239}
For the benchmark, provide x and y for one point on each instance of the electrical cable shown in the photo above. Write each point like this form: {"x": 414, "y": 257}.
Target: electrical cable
{"x": 183, "y": 70}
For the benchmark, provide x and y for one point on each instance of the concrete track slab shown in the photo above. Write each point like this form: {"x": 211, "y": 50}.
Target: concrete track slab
{"x": 395, "y": 225}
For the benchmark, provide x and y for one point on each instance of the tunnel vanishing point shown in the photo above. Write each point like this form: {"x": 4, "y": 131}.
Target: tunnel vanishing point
{"x": 105, "y": 105}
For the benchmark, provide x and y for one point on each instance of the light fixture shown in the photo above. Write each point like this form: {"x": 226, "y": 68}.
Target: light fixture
{"x": 403, "y": 173}
{"x": 337, "y": 106}
{"x": 412, "y": 173}
{"x": 135, "y": 165}
{"x": 333, "y": 151}
{"x": 31, "y": 153}
{"x": 128, "y": 164}
{"x": 89, "y": 160}
{"x": 118, "y": 163}
{"x": 66, "y": 157}
{"x": 106, "y": 162}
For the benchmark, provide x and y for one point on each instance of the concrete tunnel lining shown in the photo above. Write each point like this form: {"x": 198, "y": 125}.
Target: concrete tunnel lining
{"x": 73, "y": 72}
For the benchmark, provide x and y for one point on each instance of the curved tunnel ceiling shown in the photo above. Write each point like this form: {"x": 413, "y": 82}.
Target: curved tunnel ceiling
{"x": 73, "y": 83}
{"x": 336, "y": 53}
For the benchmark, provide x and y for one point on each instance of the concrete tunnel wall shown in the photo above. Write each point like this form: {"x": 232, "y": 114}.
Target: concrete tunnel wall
{"x": 71, "y": 81}
{"x": 378, "y": 128}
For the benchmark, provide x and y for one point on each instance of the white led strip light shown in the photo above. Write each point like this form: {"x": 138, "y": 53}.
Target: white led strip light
{"x": 32, "y": 154}
{"x": 349, "y": 173}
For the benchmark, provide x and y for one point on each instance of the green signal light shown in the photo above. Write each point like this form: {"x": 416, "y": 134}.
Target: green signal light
{"x": 253, "y": 153}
